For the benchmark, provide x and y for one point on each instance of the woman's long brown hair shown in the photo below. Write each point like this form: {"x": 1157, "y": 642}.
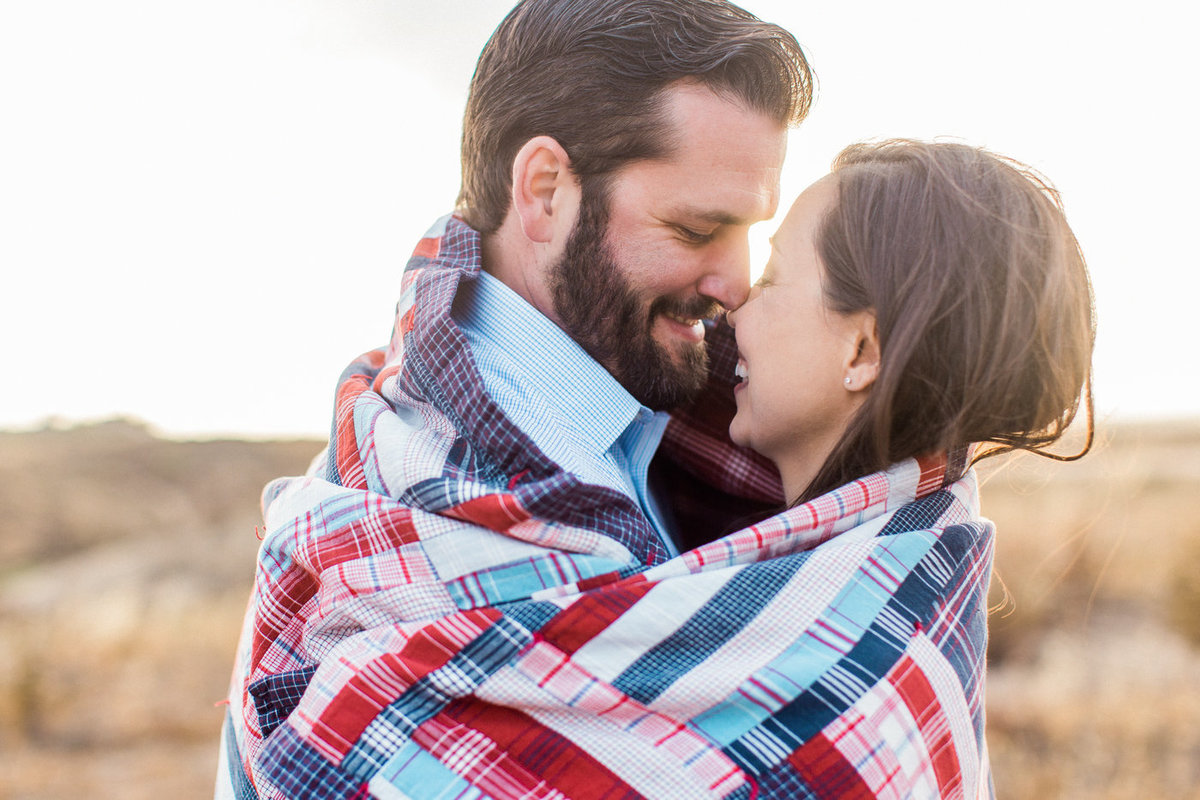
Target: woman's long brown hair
{"x": 982, "y": 300}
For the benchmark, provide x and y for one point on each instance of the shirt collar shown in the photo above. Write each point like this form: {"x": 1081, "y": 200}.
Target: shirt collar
{"x": 555, "y": 366}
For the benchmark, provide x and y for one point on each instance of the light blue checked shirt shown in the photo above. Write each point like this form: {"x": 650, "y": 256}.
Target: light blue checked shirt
{"x": 572, "y": 408}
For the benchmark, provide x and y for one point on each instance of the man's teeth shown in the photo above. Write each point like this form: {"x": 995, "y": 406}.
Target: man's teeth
{"x": 697, "y": 325}
{"x": 740, "y": 371}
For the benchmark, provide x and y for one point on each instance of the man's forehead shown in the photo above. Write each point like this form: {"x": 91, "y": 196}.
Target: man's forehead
{"x": 695, "y": 113}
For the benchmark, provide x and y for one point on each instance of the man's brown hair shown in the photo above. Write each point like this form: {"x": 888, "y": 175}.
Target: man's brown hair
{"x": 591, "y": 73}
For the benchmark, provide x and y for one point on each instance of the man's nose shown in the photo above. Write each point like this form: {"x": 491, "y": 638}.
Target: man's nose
{"x": 727, "y": 275}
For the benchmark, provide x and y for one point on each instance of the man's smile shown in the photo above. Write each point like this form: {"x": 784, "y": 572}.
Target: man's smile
{"x": 689, "y": 328}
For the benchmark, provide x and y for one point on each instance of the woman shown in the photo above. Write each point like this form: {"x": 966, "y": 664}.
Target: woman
{"x": 427, "y": 627}
{"x": 921, "y": 299}
{"x": 922, "y": 302}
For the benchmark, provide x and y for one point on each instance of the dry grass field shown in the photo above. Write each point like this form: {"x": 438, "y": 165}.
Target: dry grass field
{"x": 125, "y": 562}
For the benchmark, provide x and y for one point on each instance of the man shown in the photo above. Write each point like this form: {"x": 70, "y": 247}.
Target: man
{"x": 615, "y": 154}
{"x": 614, "y": 183}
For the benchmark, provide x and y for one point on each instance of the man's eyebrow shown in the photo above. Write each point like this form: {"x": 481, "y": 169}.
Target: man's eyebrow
{"x": 713, "y": 216}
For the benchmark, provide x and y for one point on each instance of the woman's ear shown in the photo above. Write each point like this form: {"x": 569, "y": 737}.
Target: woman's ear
{"x": 863, "y": 366}
{"x": 545, "y": 193}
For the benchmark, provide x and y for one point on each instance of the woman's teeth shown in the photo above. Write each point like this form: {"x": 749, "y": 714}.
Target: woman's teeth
{"x": 740, "y": 371}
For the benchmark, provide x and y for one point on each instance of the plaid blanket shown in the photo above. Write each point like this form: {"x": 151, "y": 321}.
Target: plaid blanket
{"x": 441, "y": 612}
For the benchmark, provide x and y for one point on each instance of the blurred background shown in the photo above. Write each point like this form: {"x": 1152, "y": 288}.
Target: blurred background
{"x": 204, "y": 211}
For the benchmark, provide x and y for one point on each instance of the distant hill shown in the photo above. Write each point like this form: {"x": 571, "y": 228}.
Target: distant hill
{"x": 64, "y": 491}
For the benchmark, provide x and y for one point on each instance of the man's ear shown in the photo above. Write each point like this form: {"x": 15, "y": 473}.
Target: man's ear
{"x": 863, "y": 366}
{"x": 545, "y": 193}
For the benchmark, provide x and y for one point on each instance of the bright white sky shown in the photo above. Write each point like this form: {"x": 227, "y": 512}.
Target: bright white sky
{"x": 205, "y": 207}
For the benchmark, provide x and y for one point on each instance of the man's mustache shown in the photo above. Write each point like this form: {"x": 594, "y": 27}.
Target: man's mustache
{"x": 697, "y": 308}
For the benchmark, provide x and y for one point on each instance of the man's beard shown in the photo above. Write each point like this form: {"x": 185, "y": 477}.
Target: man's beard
{"x": 598, "y": 308}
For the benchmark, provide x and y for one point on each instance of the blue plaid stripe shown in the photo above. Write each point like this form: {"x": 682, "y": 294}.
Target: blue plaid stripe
{"x": 392, "y": 727}
{"x": 302, "y": 773}
{"x": 523, "y": 578}
{"x": 464, "y": 462}
{"x": 919, "y": 515}
{"x": 747, "y": 791}
{"x": 276, "y": 696}
{"x": 762, "y": 747}
{"x": 964, "y": 641}
{"x": 438, "y": 494}
{"x": 873, "y": 655}
{"x": 531, "y": 615}
{"x": 726, "y": 614}
{"x": 493, "y": 649}
{"x": 766, "y": 745}
{"x": 418, "y": 774}
{"x": 782, "y": 783}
